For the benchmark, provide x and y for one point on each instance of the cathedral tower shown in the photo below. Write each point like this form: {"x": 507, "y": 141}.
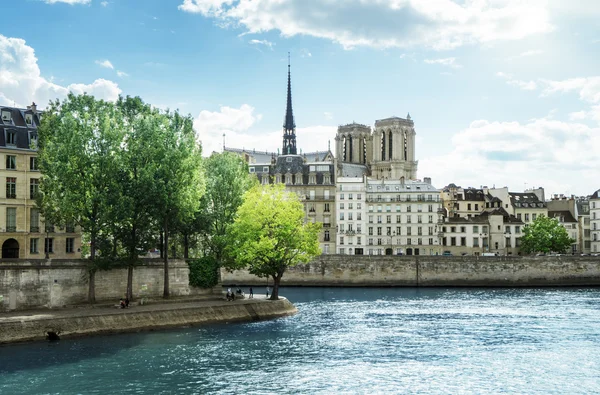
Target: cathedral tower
{"x": 289, "y": 126}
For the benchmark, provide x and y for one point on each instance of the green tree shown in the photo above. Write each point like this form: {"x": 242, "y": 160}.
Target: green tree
{"x": 178, "y": 182}
{"x": 78, "y": 145}
{"x": 133, "y": 198}
{"x": 545, "y": 235}
{"x": 269, "y": 234}
{"x": 227, "y": 179}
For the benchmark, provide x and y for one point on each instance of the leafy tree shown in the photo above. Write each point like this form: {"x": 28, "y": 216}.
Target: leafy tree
{"x": 269, "y": 234}
{"x": 227, "y": 179}
{"x": 545, "y": 235}
{"x": 178, "y": 182}
{"x": 78, "y": 145}
{"x": 133, "y": 198}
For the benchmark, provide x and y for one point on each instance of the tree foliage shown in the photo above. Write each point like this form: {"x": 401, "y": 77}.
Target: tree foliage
{"x": 545, "y": 235}
{"x": 78, "y": 142}
{"x": 227, "y": 179}
{"x": 269, "y": 234}
{"x": 203, "y": 272}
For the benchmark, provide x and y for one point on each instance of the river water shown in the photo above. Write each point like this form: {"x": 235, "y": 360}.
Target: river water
{"x": 362, "y": 341}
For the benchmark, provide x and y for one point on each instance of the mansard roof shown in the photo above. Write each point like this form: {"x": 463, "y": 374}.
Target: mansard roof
{"x": 17, "y": 124}
{"x": 526, "y": 199}
{"x": 564, "y": 214}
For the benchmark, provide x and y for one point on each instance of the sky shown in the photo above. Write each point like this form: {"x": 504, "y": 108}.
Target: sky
{"x": 502, "y": 92}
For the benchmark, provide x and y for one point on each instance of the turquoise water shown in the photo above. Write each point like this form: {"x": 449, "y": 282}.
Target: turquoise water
{"x": 534, "y": 341}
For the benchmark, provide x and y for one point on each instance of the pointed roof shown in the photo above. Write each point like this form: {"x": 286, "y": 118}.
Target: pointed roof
{"x": 289, "y": 123}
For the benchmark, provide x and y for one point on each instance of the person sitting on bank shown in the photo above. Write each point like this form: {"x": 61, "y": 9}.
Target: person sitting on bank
{"x": 127, "y": 302}
{"x": 122, "y": 303}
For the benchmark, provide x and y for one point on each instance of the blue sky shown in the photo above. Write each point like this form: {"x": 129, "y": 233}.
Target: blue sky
{"x": 502, "y": 92}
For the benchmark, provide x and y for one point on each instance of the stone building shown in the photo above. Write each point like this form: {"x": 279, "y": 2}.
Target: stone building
{"x": 583, "y": 224}
{"x": 564, "y": 209}
{"x": 23, "y": 232}
{"x": 595, "y": 222}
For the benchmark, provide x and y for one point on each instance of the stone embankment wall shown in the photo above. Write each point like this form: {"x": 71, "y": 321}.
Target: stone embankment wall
{"x": 56, "y": 283}
{"x": 433, "y": 271}
{"x": 27, "y": 328}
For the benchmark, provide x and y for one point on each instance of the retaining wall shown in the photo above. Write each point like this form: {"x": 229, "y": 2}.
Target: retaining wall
{"x": 357, "y": 270}
{"x": 56, "y": 283}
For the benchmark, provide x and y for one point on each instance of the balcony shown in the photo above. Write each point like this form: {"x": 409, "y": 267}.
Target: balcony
{"x": 350, "y": 232}
{"x": 34, "y": 229}
{"x": 11, "y": 195}
{"x": 11, "y": 228}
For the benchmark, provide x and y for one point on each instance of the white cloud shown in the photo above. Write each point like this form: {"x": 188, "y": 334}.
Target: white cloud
{"x": 560, "y": 156}
{"x": 72, "y": 2}
{"x": 105, "y": 63}
{"x": 588, "y": 88}
{"x": 262, "y": 42}
{"x": 531, "y": 52}
{"x": 122, "y": 74}
{"x": 104, "y": 3}
{"x": 438, "y": 24}
{"x": 328, "y": 115}
{"x": 448, "y": 62}
{"x": 21, "y": 81}
{"x": 525, "y": 85}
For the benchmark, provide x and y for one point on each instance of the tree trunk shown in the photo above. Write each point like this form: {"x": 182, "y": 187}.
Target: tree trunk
{"x": 92, "y": 272}
{"x": 129, "y": 294}
{"x": 275, "y": 292}
{"x": 162, "y": 244}
{"x": 166, "y": 257}
{"x": 186, "y": 246}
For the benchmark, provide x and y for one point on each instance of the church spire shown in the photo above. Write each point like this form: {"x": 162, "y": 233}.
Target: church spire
{"x": 289, "y": 126}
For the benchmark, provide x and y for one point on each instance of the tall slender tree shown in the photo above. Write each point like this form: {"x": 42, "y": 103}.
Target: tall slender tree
{"x": 78, "y": 148}
{"x": 179, "y": 178}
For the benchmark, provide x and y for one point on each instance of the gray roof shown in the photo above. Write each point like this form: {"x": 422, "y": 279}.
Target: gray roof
{"x": 264, "y": 157}
{"x": 17, "y": 125}
{"x": 353, "y": 170}
{"x": 565, "y": 214}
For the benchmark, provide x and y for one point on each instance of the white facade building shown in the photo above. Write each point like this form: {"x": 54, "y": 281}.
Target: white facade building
{"x": 595, "y": 222}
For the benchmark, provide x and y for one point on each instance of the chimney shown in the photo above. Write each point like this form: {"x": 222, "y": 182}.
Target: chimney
{"x": 427, "y": 180}
{"x": 32, "y": 107}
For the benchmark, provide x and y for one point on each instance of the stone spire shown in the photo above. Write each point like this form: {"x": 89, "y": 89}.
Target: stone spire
{"x": 289, "y": 126}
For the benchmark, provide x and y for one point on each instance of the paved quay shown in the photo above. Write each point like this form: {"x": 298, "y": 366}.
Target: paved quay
{"x": 84, "y": 320}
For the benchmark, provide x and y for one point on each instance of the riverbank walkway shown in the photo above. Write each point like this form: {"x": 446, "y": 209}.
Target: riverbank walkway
{"x": 82, "y": 320}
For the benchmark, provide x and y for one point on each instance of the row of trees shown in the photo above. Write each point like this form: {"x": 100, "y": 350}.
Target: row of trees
{"x": 130, "y": 176}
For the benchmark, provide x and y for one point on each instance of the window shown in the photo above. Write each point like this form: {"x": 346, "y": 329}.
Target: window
{"x": 33, "y": 163}
{"x": 33, "y": 246}
{"x": 359, "y": 196}
{"x": 11, "y": 188}
{"x": 7, "y": 116}
{"x": 265, "y": 169}
{"x": 326, "y": 207}
{"x": 430, "y": 219}
{"x": 476, "y": 229}
{"x": 341, "y": 240}
{"x": 341, "y": 196}
{"x": 358, "y": 206}
{"x": 350, "y": 196}
{"x": 388, "y": 219}
{"x": 341, "y": 216}
{"x": 484, "y": 228}
{"x": 469, "y": 206}
{"x": 507, "y": 229}
{"x": 11, "y": 219}
{"x": 527, "y": 217}
{"x": 533, "y": 217}
{"x": 408, "y": 241}
{"x": 34, "y": 220}
{"x": 476, "y": 207}
{"x": 408, "y": 208}
{"x": 389, "y": 230}
{"x": 453, "y": 241}
{"x": 70, "y": 228}
{"x": 358, "y": 240}
{"x": 409, "y": 231}
{"x": 341, "y": 206}
{"x": 350, "y": 216}
{"x": 430, "y": 231}
{"x": 379, "y": 208}
{"x": 379, "y": 231}
{"x": 11, "y": 137}
{"x": 519, "y": 216}
{"x": 370, "y": 231}
{"x": 408, "y": 219}
{"x": 430, "y": 208}
{"x": 397, "y": 219}
{"x": 420, "y": 231}
{"x": 370, "y": 208}
{"x": 11, "y": 162}
{"x": 358, "y": 217}
{"x": 350, "y": 206}
{"x": 475, "y": 241}
{"x": 453, "y": 229}
{"x": 34, "y": 186}
{"x": 463, "y": 241}
{"x": 379, "y": 219}
{"x": 70, "y": 244}
{"x": 252, "y": 170}
{"x": 49, "y": 228}
{"x": 370, "y": 219}
{"x": 341, "y": 228}
{"x": 463, "y": 229}
{"x": 49, "y": 245}
{"x": 398, "y": 231}
{"x": 419, "y": 219}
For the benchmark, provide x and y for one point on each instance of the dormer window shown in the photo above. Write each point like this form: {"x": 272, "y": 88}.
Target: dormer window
{"x": 6, "y": 116}
{"x": 252, "y": 170}
{"x": 33, "y": 140}
{"x": 11, "y": 137}
{"x": 29, "y": 119}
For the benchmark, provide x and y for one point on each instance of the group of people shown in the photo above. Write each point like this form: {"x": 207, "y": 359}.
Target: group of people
{"x": 230, "y": 295}
{"x": 124, "y": 303}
